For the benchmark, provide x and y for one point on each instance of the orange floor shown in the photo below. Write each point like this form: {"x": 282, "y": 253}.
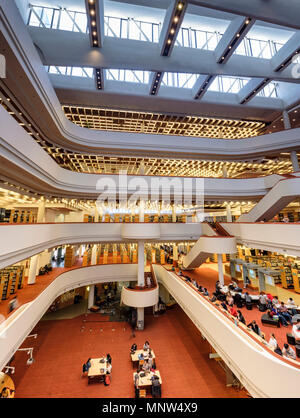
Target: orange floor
{"x": 62, "y": 347}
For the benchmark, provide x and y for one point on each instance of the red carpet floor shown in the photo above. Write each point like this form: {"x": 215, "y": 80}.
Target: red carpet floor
{"x": 207, "y": 277}
{"x": 62, "y": 347}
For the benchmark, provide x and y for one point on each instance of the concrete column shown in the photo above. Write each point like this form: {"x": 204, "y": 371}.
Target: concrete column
{"x": 91, "y": 299}
{"x": 33, "y": 269}
{"x": 286, "y": 120}
{"x": 173, "y": 213}
{"x": 141, "y": 210}
{"x": 94, "y": 255}
{"x": 175, "y": 253}
{"x": 228, "y": 213}
{"x": 220, "y": 269}
{"x": 140, "y": 318}
{"x": 141, "y": 263}
{"x": 295, "y": 162}
{"x": 41, "y": 212}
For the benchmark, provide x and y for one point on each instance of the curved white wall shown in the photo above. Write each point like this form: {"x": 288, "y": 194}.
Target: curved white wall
{"x": 276, "y": 237}
{"x": 139, "y": 298}
{"x": 15, "y": 329}
{"x": 263, "y": 374}
{"x": 141, "y": 231}
{"x": 22, "y": 241}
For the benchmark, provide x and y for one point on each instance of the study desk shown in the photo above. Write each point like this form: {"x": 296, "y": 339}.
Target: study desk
{"x": 135, "y": 356}
{"x": 144, "y": 382}
{"x": 98, "y": 370}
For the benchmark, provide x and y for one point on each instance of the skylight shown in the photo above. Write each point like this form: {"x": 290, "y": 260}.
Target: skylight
{"x": 182, "y": 80}
{"x": 54, "y": 18}
{"x": 271, "y": 90}
{"x": 130, "y": 76}
{"x": 228, "y": 84}
{"x": 131, "y": 28}
{"x": 71, "y": 71}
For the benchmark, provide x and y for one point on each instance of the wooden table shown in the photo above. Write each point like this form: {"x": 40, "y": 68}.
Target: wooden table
{"x": 135, "y": 356}
{"x": 97, "y": 371}
{"x": 146, "y": 382}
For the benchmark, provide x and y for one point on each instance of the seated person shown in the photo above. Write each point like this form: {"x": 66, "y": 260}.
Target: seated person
{"x": 282, "y": 319}
{"x": 289, "y": 352}
{"x": 229, "y": 299}
{"x": 292, "y": 307}
{"x": 205, "y": 292}
{"x": 278, "y": 350}
{"x": 146, "y": 346}
{"x": 284, "y": 312}
{"x": 248, "y": 298}
{"x": 141, "y": 356}
{"x": 195, "y": 283}
{"x": 224, "y": 305}
{"x": 240, "y": 317}
{"x": 273, "y": 342}
{"x": 233, "y": 285}
{"x": 108, "y": 358}
{"x": 238, "y": 300}
{"x": 275, "y": 301}
{"x": 133, "y": 348}
{"x": 253, "y": 325}
{"x": 296, "y": 330}
{"x": 263, "y": 301}
{"x": 147, "y": 365}
{"x": 233, "y": 311}
{"x": 108, "y": 368}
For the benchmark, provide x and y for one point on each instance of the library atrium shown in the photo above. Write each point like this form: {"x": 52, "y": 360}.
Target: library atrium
{"x": 149, "y": 199}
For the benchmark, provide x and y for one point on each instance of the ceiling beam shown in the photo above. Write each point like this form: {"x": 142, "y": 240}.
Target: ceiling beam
{"x": 272, "y": 11}
{"x": 73, "y": 49}
{"x": 201, "y": 86}
{"x": 286, "y": 54}
{"x": 251, "y": 89}
{"x": 171, "y": 25}
{"x": 156, "y": 82}
{"x": 95, "y": 17}
{"x": 232, "y": 38}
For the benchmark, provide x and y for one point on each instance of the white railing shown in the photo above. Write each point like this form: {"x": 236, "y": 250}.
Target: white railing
{"x": 249, "y": 361}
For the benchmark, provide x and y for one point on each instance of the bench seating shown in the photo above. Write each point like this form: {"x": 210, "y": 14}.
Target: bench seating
{"x": 270, "y": 321}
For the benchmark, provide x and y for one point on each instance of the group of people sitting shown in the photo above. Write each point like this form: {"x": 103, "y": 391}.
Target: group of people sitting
{"x": 200, "y": 288}
{"x": 146, "y": 364}
{"x": 108, "y": 360}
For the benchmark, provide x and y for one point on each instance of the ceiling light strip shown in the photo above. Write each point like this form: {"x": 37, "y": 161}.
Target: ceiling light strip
{"x": 257, "y": 89}
{"x": 174, "y": 24}
{"x": 204, "y": 86}
{"x": 156, "y": 82}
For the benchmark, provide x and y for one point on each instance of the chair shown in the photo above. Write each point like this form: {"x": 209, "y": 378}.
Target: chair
{"x": 249, "y": 306}
{"x": 142, "y": 393}
{"x": 298, "y": 351}
{"x": 290, "y": 339}
{"x": 266, "y": 320}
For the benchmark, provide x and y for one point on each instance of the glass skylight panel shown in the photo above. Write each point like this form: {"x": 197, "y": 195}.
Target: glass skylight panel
{"x": 71, "y": 71}
{"x": 53, "y": 18}
{"x": 269, "y": 91}
{"x": 130, "y": 76}
{"x": 182, "y": 80}
{"x": 228, "y": 84}
{"x": 131, "y": 28}
{"x": 200, "y": 39}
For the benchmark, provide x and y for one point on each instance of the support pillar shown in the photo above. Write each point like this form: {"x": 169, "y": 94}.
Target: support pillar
{"x": 175, "y": 254}
{"x": 295, "y": 162}
{"x": 91, "y": 299}
{"x": 94, "y": 255}
{"x": 142, "y": 210}
{"x": 33, "y": 269}
{"x": 141, "y": 263}
{"x": 140, "y": 319}
{"x": 220, "y": 269}
{"x": 41, "y": 212}
{"x": 173, "y": 213}
{"x": 228, "y": 213}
